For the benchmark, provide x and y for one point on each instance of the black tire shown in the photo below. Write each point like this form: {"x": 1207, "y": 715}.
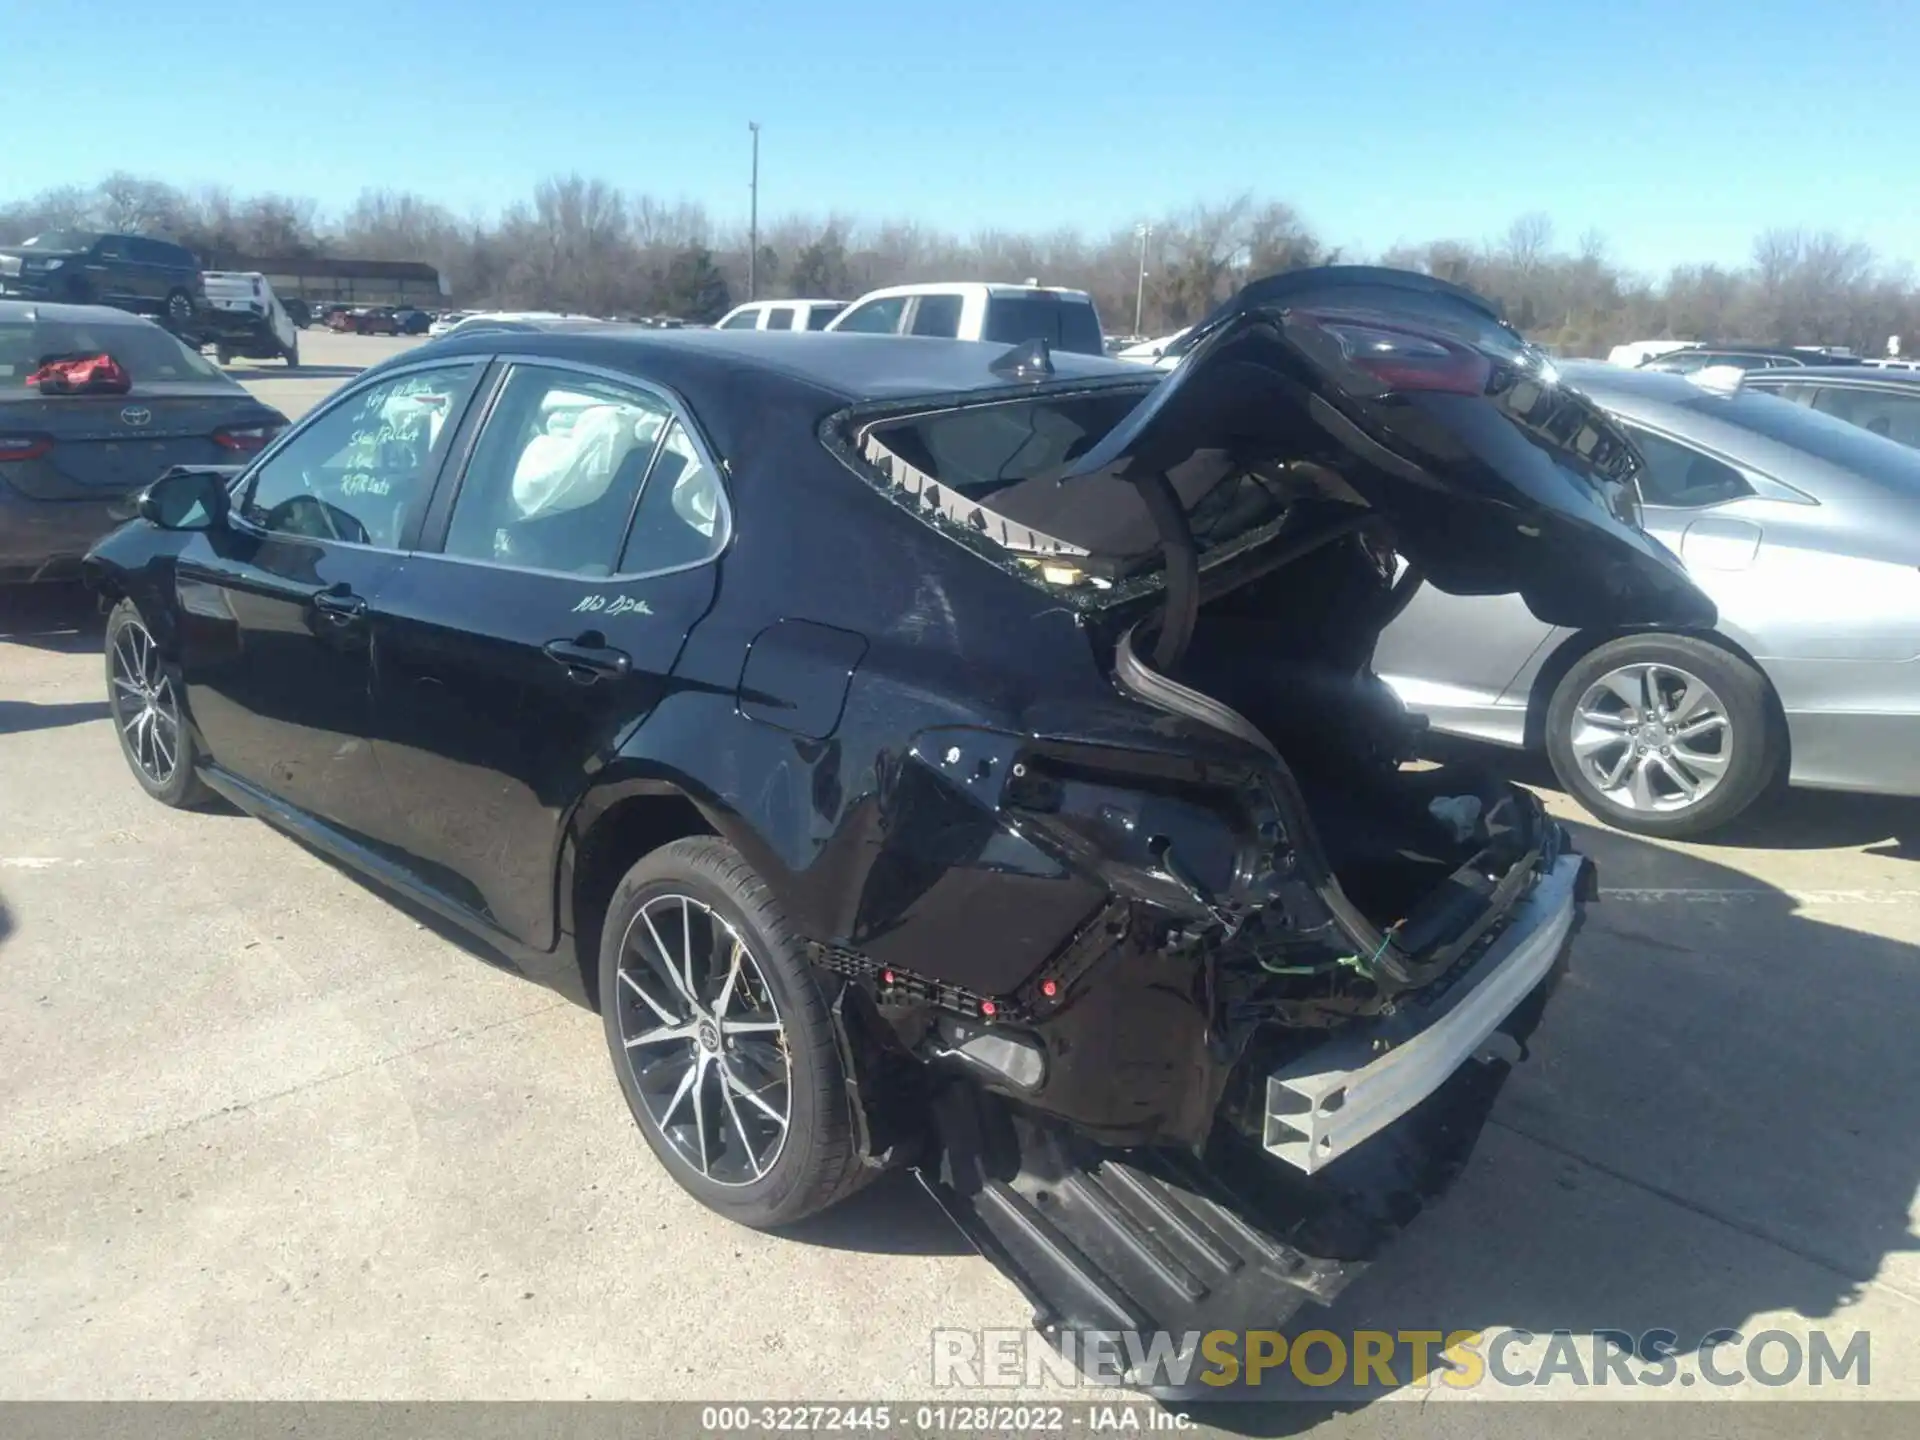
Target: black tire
{"x": 291, "y": 354}
{"x": 223, "y": 354}
{"x": 1754, "y": 746}
{"x": 78, "y": 290}
{"x": 178, "y": 784}
{"x": 815, "y": 1163}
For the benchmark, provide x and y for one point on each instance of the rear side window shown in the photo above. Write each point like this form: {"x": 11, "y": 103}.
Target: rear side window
{"x": 158, "y": 252}
{"x": 1069, "y": 325}
{"x": 1679, "y": 476}
{"x": 876, "y": 317}
{"x": 937, "y": 315}
{"x": 780, "y": 317}
{"x": 555, "y": 473}
{"x": 985, "y": 474}
{"x": 681, "y": 518}
{"x": 1890, "y": 414}
{"x": 146, "y": 352}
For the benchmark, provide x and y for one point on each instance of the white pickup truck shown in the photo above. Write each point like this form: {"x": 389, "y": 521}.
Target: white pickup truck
{"x": 244, "y": 317}
{"x": 970, "y": 310}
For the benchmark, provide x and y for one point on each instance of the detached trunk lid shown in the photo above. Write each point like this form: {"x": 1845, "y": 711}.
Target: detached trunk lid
{"x": 1410, "y": 396}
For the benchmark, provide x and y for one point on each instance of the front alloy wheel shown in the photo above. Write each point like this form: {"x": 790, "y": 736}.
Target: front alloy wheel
{"x": 144, "y": 697}
{"x": 1663, "y": 734}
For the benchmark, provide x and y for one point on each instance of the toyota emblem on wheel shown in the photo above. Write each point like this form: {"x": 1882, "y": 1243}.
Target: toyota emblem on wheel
{"x": 136, "y": 415}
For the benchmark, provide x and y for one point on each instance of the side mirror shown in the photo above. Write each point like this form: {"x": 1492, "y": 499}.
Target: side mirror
{"x": 184, "y": 499}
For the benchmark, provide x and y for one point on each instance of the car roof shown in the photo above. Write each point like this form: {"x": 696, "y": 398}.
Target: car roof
{"x": 855, "y": 368}
{"x": 1868, "y": 375}
{"x": 24, "y": 311}
{"x": 987, "y": 287}
{"x": 1843, "y": 462}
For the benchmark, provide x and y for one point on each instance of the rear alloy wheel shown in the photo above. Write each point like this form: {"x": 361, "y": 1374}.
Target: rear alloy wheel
{"x": 720, "y": 1038}
{"x": 144, "y": 696}
{"x": 179, "y": 309}
{"x": 1663, "y": 735}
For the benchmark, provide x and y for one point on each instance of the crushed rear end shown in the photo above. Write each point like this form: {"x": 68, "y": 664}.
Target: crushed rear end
{"x": 1314, "y": 957}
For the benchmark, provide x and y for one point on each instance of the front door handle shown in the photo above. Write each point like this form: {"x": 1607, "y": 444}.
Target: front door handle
{"x": 339, "y": 607}
{"x": 586, "y": 662}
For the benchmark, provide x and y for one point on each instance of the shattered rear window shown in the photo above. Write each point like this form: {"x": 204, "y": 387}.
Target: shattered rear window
{"x": 986, "y": 473}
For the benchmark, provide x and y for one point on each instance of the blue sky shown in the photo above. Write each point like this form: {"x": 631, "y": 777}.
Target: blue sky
{"x": 1679, "y": 129}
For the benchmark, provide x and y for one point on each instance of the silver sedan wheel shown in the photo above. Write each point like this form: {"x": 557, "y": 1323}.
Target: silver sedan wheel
{"x": 1652, "y": 737}
{"x": 145, "y": 704}
{"x": 704, "y": 1040}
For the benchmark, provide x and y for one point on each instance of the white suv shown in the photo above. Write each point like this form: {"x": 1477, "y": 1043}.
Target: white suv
{"x": 781, "y": 315}
{"x": 1005, "y": 314}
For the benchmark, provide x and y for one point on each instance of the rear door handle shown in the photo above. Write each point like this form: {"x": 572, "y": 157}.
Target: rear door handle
{"x": 587, "y": 663}
{"x": 340, "y": 607}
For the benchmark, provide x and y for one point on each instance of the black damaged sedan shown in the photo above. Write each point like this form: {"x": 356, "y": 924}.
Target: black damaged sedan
{"x": 933, "y": 754}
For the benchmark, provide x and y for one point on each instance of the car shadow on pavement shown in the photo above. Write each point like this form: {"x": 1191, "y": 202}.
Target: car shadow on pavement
{"x": 1784, "y": 820}
{"x": 62, "y": 618}
{"x": 17, "y": 717}
{"x": 1718, "y": 1120}
{"x": 892, "y": 1216}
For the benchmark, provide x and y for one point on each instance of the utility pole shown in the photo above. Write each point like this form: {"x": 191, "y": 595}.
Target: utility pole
{"x": 1144, "y": 231}
{"x": 753, "y": 217}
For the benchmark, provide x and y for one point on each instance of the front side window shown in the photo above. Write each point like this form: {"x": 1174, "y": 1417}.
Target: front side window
{"x": 821, "y": 316}
{"x": 61, "y": 240}
{"x": 361, "y": 468}
{"x": 937, "y": 315}
{"x": 743, "y": 320}
{"x": 1681, "y": 477}
{"x": 876, "y": 317}
{"x": 780, "y": 317}
{"x": 559, "y": 472}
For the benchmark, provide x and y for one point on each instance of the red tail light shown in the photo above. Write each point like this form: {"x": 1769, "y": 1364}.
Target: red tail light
{"x": 245, "y": 438}
{"x": 24, "y": 447}
{"x": 1403, "y": 357}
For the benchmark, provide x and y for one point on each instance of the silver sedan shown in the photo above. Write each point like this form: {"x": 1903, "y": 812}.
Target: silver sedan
{"x": 1804, "y": 530}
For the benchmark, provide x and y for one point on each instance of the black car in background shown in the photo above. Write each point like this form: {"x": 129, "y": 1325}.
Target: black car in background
{"x": 129, "y": 272}
{"x": 411, "y": 321}
{"x": 1882, "y": 401}
{"x": 72, "y": 462}
{"x": 935, "y": 753}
